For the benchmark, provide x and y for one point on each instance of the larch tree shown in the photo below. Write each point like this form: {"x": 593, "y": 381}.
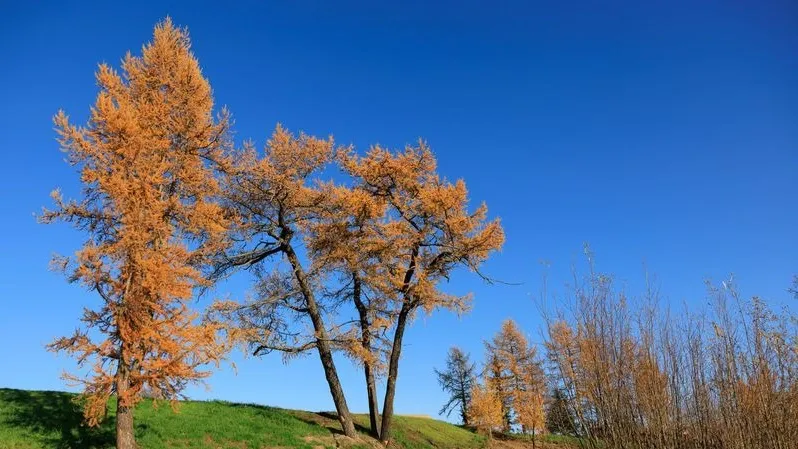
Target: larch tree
{"x": 431, "y": 232}
{"x": 276, "y": 200}
{"x": 494, "y": 373}
{"x": 530, "y": 412}
{"x": 485, "y": 410}
{"x": 149, "y": 211}
{"x": 457, "y": 379}
{"x": 517, "y": 373}
{"x": 348, "y": 242}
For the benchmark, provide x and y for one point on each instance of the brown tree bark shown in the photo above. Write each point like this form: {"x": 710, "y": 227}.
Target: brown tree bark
{"x": 323, "y": 346}
{"x": 125, "y": 437}
{"x": 393, "y": 370}
{"x": 365, "y": 341}
{"x": 396, "y": 350}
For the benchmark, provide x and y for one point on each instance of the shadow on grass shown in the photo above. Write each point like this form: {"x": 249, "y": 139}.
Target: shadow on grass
{"x": 329, "y": 421}
{"x": 56, "y": 418}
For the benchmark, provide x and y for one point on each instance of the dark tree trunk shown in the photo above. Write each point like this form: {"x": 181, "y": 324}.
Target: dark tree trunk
{"x": 393, "y": 370}
{"x": 323, "y": 346}
{"x": 396, "y": 350}
{"x": 374, "y": 408}
{"x": 365, "y": 334}
{"x": 464, "y": 408}
{"x": 125, "y": 438}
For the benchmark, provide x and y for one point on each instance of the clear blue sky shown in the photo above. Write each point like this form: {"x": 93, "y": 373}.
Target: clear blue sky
{"x": 661, "y": 132}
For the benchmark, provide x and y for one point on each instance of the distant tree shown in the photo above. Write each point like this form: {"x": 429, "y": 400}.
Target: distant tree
{"x": 485, "y": 409}
{"x": 149, "y": 212}
{"x": 494, "y": 373}
{"x": 457, "y": 380}
{"x": 517, "y": 374}
{"x": 431, "y": 232}
{"x": 558, "y": 417}
{"x": 633, "y": 375}
{"x": 529, "y": 410}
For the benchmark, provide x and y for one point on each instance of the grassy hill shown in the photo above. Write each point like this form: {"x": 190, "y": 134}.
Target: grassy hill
{"x": 51, "y": 420}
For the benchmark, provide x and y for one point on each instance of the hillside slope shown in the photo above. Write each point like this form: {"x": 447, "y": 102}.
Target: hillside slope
{"x": 51, "y": 420}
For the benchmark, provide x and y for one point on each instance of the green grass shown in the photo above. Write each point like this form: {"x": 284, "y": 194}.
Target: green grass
{"x": 550, "y": 440}
{"x": 51, "y": 420}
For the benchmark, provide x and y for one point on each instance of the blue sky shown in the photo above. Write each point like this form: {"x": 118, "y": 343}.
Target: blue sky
{"x": 663, "y": 133}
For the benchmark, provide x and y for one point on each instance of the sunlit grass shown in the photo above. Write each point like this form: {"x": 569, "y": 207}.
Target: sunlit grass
{"x": 51, "y": 420}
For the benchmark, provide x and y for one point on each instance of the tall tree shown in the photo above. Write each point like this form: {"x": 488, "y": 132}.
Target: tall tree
{"x": 431, "y": 233}
{"x": 457, "y": 380}
{"x": 148, "y": 209}
{"x": 276, "y": 201}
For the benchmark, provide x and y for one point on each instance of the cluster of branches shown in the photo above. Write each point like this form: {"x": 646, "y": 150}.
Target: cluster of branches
{"x": 629, "y": 374}
{"x": 170, "y": 206}
{"x": 622, "y": 371}
{"x": 361, "y": 258}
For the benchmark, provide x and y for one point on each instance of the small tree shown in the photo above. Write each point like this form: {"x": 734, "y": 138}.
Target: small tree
{"x": 458, "y": 380}
{"x": 529, "y": 410}
{"x": 151, "y": 222}
{"x": 517, "y": 373}
{"x": 485, "y": 410}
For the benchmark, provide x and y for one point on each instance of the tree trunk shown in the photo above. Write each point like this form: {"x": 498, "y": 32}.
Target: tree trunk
{"x": 325, "y": 354}
{"x": 125, "y": 438}
{"x": 374, "y": 407}
{"x": 365, "y": 341}
{"x": 393, "y": 369}
{"x": 323, "y": 346}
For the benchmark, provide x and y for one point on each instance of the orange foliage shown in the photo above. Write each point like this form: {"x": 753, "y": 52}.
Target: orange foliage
{"x": 485, "y": 409}
{"x": 151, "y": 222}
{"x": 429, "y": 231}
{"x": 518, "y": 377}
{"x": 428, "y": 225}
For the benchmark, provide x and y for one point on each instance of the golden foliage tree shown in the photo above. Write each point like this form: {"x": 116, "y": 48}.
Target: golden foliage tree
{"x": 276, "y": 201}
{"x": 349, "y": 241}
{"x": 380, "y": 243}
{"x": 528, "y": 405}
{"x": 151, "y": 221}
{"x": 485, "y": 409}
{"x": 431, "y": 232}
{"x": 517, "y": 375}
